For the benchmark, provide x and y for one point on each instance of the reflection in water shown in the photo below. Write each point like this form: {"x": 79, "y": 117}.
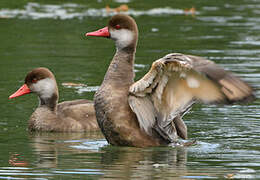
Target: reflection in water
{"x": 15, "y": 160}
{"x": 138, "y": 163}
{"x": 47, "y": 146}
{"x": 53, "y": 149}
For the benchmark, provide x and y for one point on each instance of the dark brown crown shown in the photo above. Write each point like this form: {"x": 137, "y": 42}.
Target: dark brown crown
{"x": 38, "y": 74}
{"x": 125, "y": 22}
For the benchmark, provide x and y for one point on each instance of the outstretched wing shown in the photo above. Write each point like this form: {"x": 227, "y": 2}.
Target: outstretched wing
{"x": 174, "y": 83}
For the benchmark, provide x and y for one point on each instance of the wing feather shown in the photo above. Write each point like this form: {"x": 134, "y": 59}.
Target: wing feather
{"x": 176, "y": 81}
{"x": 145, "y": 112}
{"x": 234, "y": 89}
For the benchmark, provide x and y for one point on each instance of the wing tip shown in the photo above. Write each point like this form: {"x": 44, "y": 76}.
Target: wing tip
{"x": 244, "y": 100}
{"x": 238, "y": 100}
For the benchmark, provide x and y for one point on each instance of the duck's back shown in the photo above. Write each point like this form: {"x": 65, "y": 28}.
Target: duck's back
{"x": 82, "y": 111}
{"x": 70, "y": 116}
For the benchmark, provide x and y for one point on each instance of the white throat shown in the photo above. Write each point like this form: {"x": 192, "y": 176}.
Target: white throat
{"x": 122, "y": 37}
{"x": 45, "y": 88}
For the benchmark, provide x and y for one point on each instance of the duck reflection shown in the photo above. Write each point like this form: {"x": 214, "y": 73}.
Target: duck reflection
{"x": 148, "y": 163}
{"x": 49, "y": 146}
{"x": 79, "y": 153}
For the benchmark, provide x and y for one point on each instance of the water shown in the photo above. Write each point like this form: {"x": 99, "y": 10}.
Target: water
{"x": 51, "y": 34}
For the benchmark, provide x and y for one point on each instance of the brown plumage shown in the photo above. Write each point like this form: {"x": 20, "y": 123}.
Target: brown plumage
{"x": 174, "y": 83}
{"x": 149, "y": 112}
{"x": 68, "y": 116}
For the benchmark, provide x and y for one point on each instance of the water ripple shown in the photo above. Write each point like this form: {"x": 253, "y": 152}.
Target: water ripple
{"x": 79, "y": 171}
{"x": 94, "y": 145}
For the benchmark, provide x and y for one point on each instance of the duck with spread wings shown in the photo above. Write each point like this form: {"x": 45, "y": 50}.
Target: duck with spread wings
{"x": 149, "y": 112}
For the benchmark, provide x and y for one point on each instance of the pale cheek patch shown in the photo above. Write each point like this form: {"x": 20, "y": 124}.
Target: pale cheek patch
{"x": 123, "y": 37}
{"x": 192, "y": 82}
{"x": 45, "y": 87}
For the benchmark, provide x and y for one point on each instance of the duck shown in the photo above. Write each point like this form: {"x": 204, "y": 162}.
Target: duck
{"x": 149, "y": 112}
{"x": 49, "y": 116}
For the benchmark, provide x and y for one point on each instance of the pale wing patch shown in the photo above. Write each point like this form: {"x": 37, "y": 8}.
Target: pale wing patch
{"x": 192, "y": 82}
{"x": 202, "y": 88}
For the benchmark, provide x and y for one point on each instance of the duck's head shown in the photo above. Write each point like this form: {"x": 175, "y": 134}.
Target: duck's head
{"x": 122, "y": 29}
{"x": 40, "y": 81}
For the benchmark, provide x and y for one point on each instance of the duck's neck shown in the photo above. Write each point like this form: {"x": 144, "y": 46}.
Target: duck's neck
{"x": 121, "y": 69}
{"x": 50, "y": 102}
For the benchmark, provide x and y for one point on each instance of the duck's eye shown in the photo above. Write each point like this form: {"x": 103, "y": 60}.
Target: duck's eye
{"x": 34, "y": 80}
{"x": 118, "y": 26}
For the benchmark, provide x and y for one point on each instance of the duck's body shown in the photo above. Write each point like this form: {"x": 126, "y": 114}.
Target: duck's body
{"x": 68, "y": 116}
{"x": 149, "y": 112}
{"x": 115, "y": 117}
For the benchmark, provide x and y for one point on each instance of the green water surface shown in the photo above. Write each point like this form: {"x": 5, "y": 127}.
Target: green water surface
{"x": 42, "y": 34}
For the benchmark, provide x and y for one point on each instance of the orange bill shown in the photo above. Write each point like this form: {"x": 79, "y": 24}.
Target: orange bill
{"x": 21, "y": 91}
{"x": 101, "y": 32}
